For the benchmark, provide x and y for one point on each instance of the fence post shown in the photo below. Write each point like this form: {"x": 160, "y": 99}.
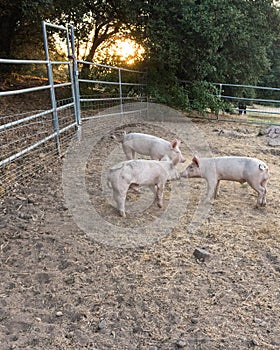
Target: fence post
{"x": 52, "y": 91}
{"x": 120, "y": 87}
{"x": 220, "y": 96}
{"x": 75, "y": 81}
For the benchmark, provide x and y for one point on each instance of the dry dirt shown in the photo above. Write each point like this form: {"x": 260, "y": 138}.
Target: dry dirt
{"x": 61, "y": 289}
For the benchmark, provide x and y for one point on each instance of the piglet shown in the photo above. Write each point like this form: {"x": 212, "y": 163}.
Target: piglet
{"x": 151, "y": 146}
{"x": 140, "y": 172}
{"x": 241, "y": 169}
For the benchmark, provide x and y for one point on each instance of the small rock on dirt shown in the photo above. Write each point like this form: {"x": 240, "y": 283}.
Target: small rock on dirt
{"x": 181, "y": 343}
{"x": 102, "y": 324}
{"x": 260, "y": 322}
{"x": 201, "y": 254}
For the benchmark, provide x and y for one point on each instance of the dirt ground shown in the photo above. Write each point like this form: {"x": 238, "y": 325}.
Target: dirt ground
{"x": 62, "y": 289}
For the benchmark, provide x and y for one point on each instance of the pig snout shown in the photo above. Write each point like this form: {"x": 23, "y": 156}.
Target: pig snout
{"x": 191, "y": 170}
{"x": 184, "y": 173}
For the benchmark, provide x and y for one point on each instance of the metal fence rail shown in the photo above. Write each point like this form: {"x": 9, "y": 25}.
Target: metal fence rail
{"x": 27, "y": 136}
{"x": 123, "y": 86}
{"x": 251, "y": 101}
{"x": 37, "y": 131}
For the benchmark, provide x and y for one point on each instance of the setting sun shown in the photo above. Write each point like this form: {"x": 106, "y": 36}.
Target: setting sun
{"x": 127, "y": 50}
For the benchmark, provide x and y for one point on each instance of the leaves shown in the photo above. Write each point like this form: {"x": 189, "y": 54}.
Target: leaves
{"x": 229, "y": 41}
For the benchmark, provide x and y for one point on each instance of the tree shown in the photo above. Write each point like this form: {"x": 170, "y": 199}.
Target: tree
{"x": 214, "y": 40}
{"x": 227, "y": 41}
{"x": 97, "y": 21}
{"x": 16, "y": 18}
{"x": 272, "y": 77}
{"x": 9, "y": 16}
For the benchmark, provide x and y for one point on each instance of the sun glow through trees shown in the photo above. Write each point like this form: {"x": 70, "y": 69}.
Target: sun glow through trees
{"x": 126, "y": 50}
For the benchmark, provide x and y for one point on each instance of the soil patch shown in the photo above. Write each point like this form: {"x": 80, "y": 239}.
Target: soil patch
{"x": 60, "y": 289}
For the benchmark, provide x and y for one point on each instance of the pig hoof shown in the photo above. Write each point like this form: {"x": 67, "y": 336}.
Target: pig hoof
{"x": 122, "y": 213}
{"x": 159, "y": 205}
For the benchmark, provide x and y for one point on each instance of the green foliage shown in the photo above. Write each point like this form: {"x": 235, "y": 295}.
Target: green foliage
{"x": 205, "y": 96}
{"x": 170, "y": 94}
{"x": 272, "y": 77}
{"x": 229, "y": 41}
{"x": 214, "y": 40}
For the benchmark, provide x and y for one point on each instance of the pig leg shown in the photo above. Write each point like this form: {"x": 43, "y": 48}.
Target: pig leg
{"x": 264, "y": 183}
{"x": 263, "y": 197}
{"x": 212, "y": 185}
{"x": 119, "y": 197}
{"x": 154, "y": 189}
{"x": 216, "y": 193}
{"x": 129, "y": 152}
{"x": 159, "y": 194}
{"x": 260, "y": 188}
{"x": 261, "y": 201}
{"x": 135, "y": 188}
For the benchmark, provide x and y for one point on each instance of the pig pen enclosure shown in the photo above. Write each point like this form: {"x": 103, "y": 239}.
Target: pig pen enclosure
{"x": 65, "y": 288}
{"x": 75, "y": 275}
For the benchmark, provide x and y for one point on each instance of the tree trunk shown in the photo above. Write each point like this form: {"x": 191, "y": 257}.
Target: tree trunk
{"x": 86, "y": 67}
{"x": 107, "y": 31}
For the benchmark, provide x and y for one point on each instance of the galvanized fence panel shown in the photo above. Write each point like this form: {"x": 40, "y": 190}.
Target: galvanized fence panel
{"x": 245, "y": 103}
{"x": 45, "y": 118}
{"x": 121, "y": 87}
{"x": 27, "y": 136}
{"x": 252, "y": 103}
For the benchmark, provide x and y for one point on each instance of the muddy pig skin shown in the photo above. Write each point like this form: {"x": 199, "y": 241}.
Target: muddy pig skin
{"x": 241, "y": 169}
{"x": 152, "y": 146}
{"x": 140, "y": 172}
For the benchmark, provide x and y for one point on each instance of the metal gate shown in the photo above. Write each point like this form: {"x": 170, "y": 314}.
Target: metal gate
{"x": 72, "y": 83}
{"x": 27, "y": 137}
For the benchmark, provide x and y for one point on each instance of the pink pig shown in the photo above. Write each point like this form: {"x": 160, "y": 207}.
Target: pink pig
{"x": 139, "y": 172}
{"x": 241, "y": 169}
{"x": 152, "y": 146}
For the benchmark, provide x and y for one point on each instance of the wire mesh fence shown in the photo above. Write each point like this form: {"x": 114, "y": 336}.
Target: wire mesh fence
{"x": 27, "y": 144}
{"x": 40, "y": 115}
{"x": 107, "y": 86}
{"x": 38, "y": 119}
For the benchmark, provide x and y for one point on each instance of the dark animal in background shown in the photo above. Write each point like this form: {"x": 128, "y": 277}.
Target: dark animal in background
{"x": 242, "y": 107}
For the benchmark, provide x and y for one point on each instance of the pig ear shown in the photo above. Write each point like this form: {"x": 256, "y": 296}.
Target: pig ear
{"x": 175, "y": 143}
{"x": 196, "y": 160}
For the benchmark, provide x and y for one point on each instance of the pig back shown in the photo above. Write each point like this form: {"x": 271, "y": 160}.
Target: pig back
{"x": 141, "y": 172}
{"x": 147, "y": 144}
{"x": 239, "y": 168}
